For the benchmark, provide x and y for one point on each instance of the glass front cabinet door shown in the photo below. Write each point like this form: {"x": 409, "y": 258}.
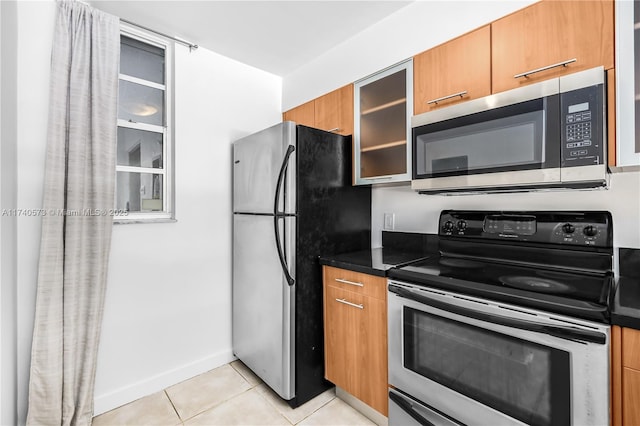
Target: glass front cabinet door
{"x": 628, "y": 82}
{"x": 382, "y": 135}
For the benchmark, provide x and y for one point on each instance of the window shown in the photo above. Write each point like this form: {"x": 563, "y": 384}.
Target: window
{"x": 143, "y": 163}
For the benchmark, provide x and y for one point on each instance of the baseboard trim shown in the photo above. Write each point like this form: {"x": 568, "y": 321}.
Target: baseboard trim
{"x": 126, "y": 394}
{"x": 363, "y": 408}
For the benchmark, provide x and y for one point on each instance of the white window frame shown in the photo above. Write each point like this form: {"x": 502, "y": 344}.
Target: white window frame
{"x": 167, "y": 213}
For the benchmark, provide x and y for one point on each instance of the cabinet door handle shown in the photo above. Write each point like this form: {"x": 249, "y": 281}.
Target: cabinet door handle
{"x": 548, "y": 67}
{"x": 336, "y": 129}
{"x": 355, "y": 305}
{"x": 377, "y": 178}
{"x": 340, "y": 280}
{"x": 444, "y": 98}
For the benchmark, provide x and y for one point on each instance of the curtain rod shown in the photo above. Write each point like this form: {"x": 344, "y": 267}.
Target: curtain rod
{"x": 191, "y": 46}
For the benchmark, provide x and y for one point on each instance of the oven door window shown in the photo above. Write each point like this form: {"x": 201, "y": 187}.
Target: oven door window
{"x": 510, "y": 138}
{"x": 527, "y": 381}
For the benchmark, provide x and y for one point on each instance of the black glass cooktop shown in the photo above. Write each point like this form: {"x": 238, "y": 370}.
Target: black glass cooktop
{"x": 559, "y": 261}
{"x": 569, "y": 292}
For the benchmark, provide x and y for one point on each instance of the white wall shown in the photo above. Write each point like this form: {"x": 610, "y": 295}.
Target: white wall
{"x": 35, "y": 21}
{"x": 168, "y": 307}
{"x": 168, "y": 304}
{"x": 411, "y": 30}
{"x": 8, "y": 130}
{"x": 419, "y": 213}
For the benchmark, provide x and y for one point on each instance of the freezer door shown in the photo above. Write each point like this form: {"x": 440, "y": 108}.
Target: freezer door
{"x": 258, "y": 160}
{"x": 263, "y": 302}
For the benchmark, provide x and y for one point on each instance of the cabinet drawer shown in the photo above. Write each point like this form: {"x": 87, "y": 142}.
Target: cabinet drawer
{"x": 631, "y": 348}
{"x": 356, "y": 282}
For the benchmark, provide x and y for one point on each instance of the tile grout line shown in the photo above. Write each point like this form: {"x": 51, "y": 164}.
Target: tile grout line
{"x": 270, "y": 404}
{"x": 220, "y": 403}
{"x": 173, "y": 405}
{"x": 243, "y": 376}
{"x": 305, "y": 417}
{"x": 316, "y": 410}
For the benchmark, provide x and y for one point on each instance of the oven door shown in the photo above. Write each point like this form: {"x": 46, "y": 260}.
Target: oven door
{"x": 489, "y": 363}
{"x": 504, "y": 140}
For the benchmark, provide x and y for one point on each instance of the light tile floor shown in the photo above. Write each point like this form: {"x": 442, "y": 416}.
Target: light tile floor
{"x": 229, "y": 395}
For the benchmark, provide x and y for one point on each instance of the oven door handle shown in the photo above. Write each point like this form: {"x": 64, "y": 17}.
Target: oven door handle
{"x": 568, "y": 333}
{"x": 408, "y": 408}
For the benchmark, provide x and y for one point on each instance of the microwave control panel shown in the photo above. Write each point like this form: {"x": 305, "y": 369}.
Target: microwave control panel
{"x": 582, "y": 126}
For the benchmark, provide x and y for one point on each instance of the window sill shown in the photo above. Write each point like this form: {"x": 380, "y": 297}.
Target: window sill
{"x": 142, "y": 221}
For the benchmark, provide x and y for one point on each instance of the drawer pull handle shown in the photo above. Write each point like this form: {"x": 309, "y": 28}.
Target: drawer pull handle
{"x": 444, "y": 98}
{"x": 335, "y": 129}
{"x": 355, "y": 305}
{"x": 548, "y": 67}
{"x": 340, "y": 280}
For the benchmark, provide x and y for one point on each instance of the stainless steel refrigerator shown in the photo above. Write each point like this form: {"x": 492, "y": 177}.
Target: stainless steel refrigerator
{"x": 292, "y": 202}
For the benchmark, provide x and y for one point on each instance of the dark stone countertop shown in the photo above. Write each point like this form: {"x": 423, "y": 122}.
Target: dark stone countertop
{"x": 399, "y": 248}
{"x": 626, "y": 303}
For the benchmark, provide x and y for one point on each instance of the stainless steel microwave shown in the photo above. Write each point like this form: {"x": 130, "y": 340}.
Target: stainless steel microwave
{"x": 550, "y": 134}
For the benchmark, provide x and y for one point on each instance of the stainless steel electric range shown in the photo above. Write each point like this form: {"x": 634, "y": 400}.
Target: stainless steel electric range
{"x": 508, "y": 325}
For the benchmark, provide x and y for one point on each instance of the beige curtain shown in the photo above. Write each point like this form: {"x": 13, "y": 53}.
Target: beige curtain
{"x": 76, "y": 232}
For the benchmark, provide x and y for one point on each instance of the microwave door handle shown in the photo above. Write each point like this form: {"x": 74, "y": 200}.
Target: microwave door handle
{"x": 408, "y": 408}
{"x": 277, "y": 215}
{"x": 568, "y": 333}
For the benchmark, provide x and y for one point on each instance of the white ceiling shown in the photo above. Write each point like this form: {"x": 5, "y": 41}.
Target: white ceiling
{"x": 276, "y": 36}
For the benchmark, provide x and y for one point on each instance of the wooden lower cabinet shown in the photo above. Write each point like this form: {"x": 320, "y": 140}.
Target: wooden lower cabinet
{"x": 355, "y": 331}
{"x": 630, "y": 397}
{"x": 625, "y": 365}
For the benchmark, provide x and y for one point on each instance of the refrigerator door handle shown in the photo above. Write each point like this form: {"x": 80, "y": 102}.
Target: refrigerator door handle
{"x": 283, "y": 170}
{"x": 277, "y": 215}
{"x": 283, "y": 262}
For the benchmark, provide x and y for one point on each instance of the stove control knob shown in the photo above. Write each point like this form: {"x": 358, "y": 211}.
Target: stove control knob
{"x": 590, "y": 231}
{"x": 568, "y": 228}
{"x": 462, "y": 225}
{"x": 448, "y": 226}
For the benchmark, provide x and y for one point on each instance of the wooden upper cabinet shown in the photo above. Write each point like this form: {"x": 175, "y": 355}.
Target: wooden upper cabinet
{"x": 547, "y": 33}
{"x": 303, "y": 114}
{"x": 334, "y": 111}
{"x": 460, "y": 65}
